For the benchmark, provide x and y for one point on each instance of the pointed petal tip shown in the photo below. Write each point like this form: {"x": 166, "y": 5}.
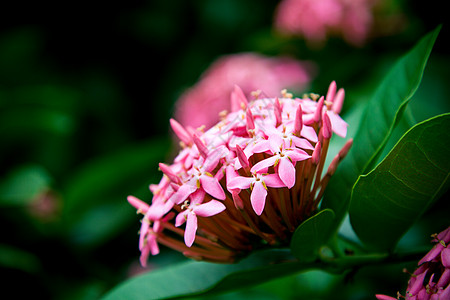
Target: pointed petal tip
{"x": 298, "y": 122}
{"x": 202, "y": 149}
{"x": 238, "y": 99}
{"x": 338, "y": 101}
{"x": 327, "y": 129}
{"x": 180, "y": 132}
{"x": 140, "y": 205}
{"x": 331, "y": 91}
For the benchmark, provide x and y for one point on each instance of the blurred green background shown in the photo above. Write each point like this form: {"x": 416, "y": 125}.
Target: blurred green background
{"x": 86, "y": 93}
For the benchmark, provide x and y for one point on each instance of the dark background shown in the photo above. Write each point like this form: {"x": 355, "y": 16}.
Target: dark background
{"x": 86, "y": 92}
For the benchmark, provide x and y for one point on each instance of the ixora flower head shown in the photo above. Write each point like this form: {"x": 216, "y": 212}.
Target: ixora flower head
{"x": 431, "y": 280}
{"x": 248, "y": 181}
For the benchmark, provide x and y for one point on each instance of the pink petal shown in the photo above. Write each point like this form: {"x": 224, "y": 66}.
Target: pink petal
{"x": 298, "y": 123}
{"x": 445, "y": 257}
{"x": 183, "y": 193}
{"x": 190, "y": 230}
{"x": 208, "y": 209}
{"x": 181, "y": 133}
{"x": 181, "y": 218}
{"x": 197, "y": 197}
{"x": 331, "y": 92}
{"x": 444, "y": 280}
{"x": 309, "y": 133}
{"x": 212, "y": 186}
{"x": 159, "y": 209}
{"x": 268, "y": 162}
{"x": 144, "y": 256}
{"x": 339, "y": 126}
{"x": 384, "y": 297}
{"x": 277, "y": 111}
{"x": 418, "y": 284}
{"x": 240, "y": 182}
{"x": 273, "y": 180}
{"x": 435, "y": 251}
{"x": 151, "y": 246}
{"x": 140, "y": 205}
{"x": 338, "y": 101}
{"x": 145, "y": 227}
{"x": 250, "y": 119}
{"x": 157, "y": 226}
{"x": 202, "y": 149}
{"x": 423, "y": 295}
{"x": 243, "y": 160}
{"x": 258, "y": 197}
{"x": 230, "y": 173}
{"x": 214, "y": 157}
{"x": 238, "y": 99}
{"x": 446, "y": 293}
{"x": 319, "y": 108}
{"x": 302, "y": 143}
{"x": 169, "y": 173}
{"x": 286, "y": 171}
{"x": 327, "y": 128}
{"x": 444, "y": 235}
{"x": 297, "y": 155}
{"x": 261, "y": 146}
{"x": 275, "y": 142}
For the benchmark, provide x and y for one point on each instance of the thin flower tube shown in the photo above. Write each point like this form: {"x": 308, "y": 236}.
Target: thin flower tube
{"x": 246, "y": 183}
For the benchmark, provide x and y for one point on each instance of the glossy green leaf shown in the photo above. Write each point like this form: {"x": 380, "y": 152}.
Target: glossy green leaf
{"x": 194, "y": 278}
{"x": 382, "y": 114}
{"x": 388, "y": 200}
{"x": 311, "y": 235}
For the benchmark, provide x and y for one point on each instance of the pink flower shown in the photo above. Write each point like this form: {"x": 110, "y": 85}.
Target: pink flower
{"x": 246, "y": 182}
{"x": 194, "y": 209}
{"x": 284, "y": 159}
{"x": 316, "y": 20}
{"x": 435, "y": 268}
{"x": 258, "y": 184}
{"x": 201, "y": 104}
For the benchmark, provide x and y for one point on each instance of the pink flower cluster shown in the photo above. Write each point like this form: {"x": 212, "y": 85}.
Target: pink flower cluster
{"x": 201, "y": 104}
{"x": 431, "y": 280}
{"x": 248, "y": 181}
{"x": 316, "y": 20}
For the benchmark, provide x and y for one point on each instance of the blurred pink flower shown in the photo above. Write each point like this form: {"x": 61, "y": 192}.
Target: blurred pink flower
{"x": 202, "y": 103}
{"x": 316, "y": 20}
{"x": 431, "y": 280}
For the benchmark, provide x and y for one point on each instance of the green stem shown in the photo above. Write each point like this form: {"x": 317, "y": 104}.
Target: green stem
{"x": 341, "y": 264}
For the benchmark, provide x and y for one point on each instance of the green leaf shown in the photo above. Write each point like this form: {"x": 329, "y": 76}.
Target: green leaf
{"x": 387, "y": 201}
{"x": 15, "y": 258}
{"x": 23, "y": 185}
{"x": 95, "y": 205}
{"x": 100, "y": 223}
{"x": 382, "y": 114}
{"x": 101, "y": 179}
{"x": 194, "y": 278}
{"x": 311, "y": 235}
